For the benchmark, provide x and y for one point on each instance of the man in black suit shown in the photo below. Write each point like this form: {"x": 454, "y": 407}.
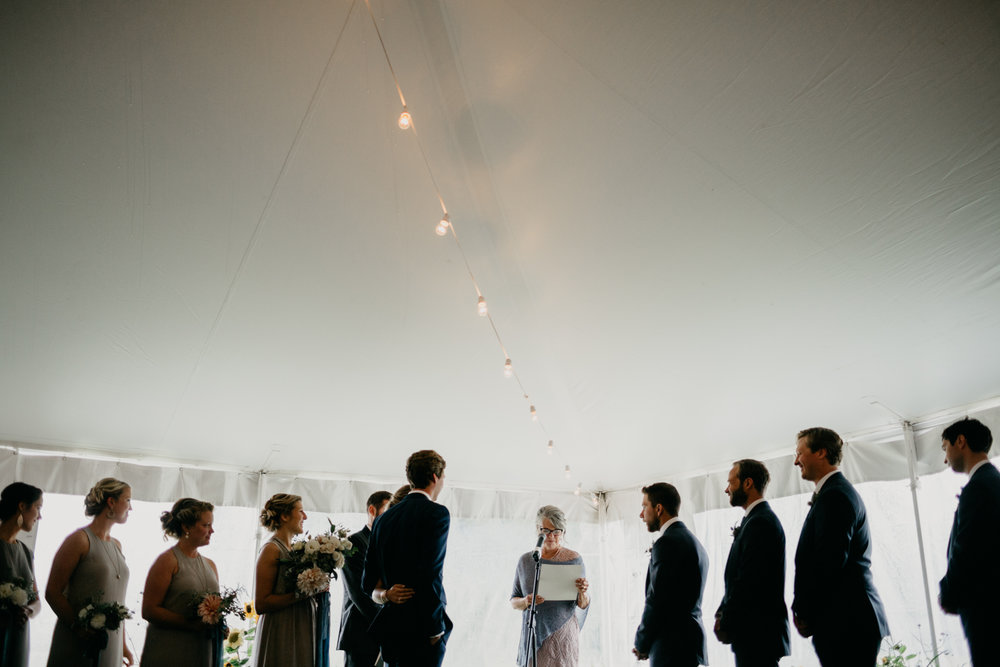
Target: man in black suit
{"x": 835, "y": 601}
{"x": 970, "y": 589}
{"x": 753, "y": 617}
{"x": 670, "y": 633}
{"x": 359, "y": 610}
{"x": 403, "y": 570}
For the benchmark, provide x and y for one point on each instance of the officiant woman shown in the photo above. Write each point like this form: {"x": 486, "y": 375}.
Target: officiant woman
{"x": 557, "y": 622}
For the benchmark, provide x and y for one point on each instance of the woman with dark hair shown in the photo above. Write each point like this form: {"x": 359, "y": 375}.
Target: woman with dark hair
{"x": 178, "y": 578}
{"x": 89, "y": 565}
{"x": 557, "y": 622}
{"x": 286, "y": 631}
{"x": 20, "y": 508}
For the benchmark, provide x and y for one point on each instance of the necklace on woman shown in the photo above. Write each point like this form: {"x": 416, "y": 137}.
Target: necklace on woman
{"x": 110, "y": 551}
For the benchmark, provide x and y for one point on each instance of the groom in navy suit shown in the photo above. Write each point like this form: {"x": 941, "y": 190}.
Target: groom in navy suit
{"x": 670, "y": 633}
{"x": 835, "y": 601}
{"x": 970, "y": 589}
{"x": 404, "y": 563}
{"x": 753, "y": 617}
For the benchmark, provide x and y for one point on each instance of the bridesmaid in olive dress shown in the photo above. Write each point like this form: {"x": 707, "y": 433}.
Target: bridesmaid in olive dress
{"x": 286, "y": 631}
{"x": 20, "y": 508}
{"x": 90, "y": 563}
{"x": 179, "y": 575}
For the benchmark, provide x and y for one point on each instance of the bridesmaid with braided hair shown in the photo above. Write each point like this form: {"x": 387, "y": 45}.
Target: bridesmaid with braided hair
{"x": 90, "y": 563}
{"x": 178, "y": 576}
{"x": 286, "y": 631}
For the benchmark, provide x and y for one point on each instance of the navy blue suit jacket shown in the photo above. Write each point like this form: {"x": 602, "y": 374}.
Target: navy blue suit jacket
{"x": 974, "y": 547}
{"x": 834, "y": 592}
{"x": 671, "y": 629}
{"x": 753, "y": 611}
{"x": 359, "y": 609}
{"x": 408, "y": 547}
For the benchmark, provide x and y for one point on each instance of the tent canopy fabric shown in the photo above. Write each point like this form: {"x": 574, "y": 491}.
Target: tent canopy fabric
{"x": 699, "y": 228}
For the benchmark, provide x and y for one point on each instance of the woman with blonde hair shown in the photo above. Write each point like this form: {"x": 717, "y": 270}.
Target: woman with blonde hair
{"x": 20, "y": 508}
{"x": 286, "y": 629}
{"x": 179, "y": 576}
{"x": 88, "y": 565}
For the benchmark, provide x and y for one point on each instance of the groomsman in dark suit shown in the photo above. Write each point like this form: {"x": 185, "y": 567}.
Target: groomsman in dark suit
{"x": 670, "y": 633}
{"x": 835, "y": 601}
{"x": 753, "y": 617}
{"x": 407, "y": 553}
{"x": 971, "y": 589}
{"x": 359, "y": 610}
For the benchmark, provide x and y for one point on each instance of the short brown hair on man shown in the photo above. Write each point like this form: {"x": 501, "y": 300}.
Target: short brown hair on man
{"x": 818, "y": 438}
{"x": 422, "y": 466}
{"x": 664, "y": 494}
{"x": 753, "y": 469}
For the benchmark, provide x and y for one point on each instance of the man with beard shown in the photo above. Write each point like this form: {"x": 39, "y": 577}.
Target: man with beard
{"x": 671, "y": 633}
{"x": 359, "y": 610}
{"x": 969, "y": 588}
{"x": 753, "y": 617}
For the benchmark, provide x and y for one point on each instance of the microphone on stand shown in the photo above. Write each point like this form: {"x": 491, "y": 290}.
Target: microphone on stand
{"x": 536, "y": 553}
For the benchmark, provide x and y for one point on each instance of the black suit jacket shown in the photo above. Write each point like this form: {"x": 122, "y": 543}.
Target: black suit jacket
{"x": 408, "y": 547}
{"x": 834, "y": 591}
{"x": 671, "y": 629}
{"x": 359, "y": 609}
{"x": 753, "y": 610}
{"x": 974, "y": 546}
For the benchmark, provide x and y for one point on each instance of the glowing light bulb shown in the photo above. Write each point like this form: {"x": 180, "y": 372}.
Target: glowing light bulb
{"x": 481, "y": 305}
{"x": 550, "y": 448}
{"x": 442, "y": 227}
{"x": 534, "y": 414}
{"x": 405, "y": 120}
{"x": 579, "y": 488}
{"x": 508, "y": 369}
{"x": 567, "y": 472}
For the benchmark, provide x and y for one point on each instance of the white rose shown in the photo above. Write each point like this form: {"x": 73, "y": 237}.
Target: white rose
{"x": 312, "y": 546}
{"x": 345, "y": 545}
{"x": 327, "y": 548}
{"x": 298, "y": 546}
{"x": 6, "y": 590}
{"x": 338, "y": 559}
{"x": 97, "y": 622}
{"x": 83, "y": 612}
{"x": 20, "y": 597}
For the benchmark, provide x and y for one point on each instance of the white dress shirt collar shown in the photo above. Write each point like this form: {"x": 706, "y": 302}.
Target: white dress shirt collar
{"x": 819, "y": 484}
{"x": 752, "y": 505}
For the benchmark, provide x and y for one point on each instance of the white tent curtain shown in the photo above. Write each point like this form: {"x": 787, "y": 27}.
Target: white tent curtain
{"x": 491, "y": 528}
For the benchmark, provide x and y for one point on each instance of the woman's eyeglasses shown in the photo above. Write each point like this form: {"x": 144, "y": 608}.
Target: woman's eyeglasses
{"x": 547, "y": 531}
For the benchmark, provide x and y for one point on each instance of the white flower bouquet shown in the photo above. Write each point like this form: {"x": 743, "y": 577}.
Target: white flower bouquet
{"x": 315, "y": 560}
{"x": 15, "y": 595}
{"x": 95, "y": 620}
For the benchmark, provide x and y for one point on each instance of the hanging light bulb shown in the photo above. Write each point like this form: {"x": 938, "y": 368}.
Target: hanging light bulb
{"x": 481, "y": 306}
{"x": 579, "y": 488}
{"x": 550, "y": 448}
{"x": 405, "y": 120}
{"x": 567, "y": 472}
{"x": 534, "y": 414}
{"x": 508, "y": 369}
{"x": 442, "y": 227}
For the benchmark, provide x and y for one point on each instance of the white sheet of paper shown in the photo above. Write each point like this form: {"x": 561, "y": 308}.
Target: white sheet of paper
{"x": 557, "y": 581}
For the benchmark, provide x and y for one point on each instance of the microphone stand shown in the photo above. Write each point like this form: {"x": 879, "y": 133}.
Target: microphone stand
{"x": 532, "y": 639}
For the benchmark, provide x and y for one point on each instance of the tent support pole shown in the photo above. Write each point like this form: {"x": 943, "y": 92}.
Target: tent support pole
{"x": 911, "y": 462}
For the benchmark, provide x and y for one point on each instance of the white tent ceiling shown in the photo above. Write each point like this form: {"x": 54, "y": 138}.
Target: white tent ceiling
{"x": 699, "y": 227}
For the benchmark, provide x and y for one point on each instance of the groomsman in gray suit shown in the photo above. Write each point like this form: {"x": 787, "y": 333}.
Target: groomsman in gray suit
{"x": 360, "y": 649}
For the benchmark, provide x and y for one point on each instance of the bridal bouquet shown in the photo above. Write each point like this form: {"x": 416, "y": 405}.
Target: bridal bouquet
{"x": 315, "y": 560}
{"x": 213, "y": 607}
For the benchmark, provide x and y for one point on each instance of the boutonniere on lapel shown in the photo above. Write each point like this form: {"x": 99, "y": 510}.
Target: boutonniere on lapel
{"x": 736, "y": 529}
{"x": 813, "y": 498}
